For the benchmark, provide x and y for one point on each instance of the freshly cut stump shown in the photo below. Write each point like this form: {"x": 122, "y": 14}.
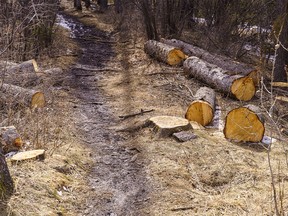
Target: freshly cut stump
{"x": 244, "y": 124}
{"x": 10, "y": 138}
{"x": 167, "y": 125}
{"x": 238, "y": 86}
{"x": 202, "y": 108}
{"x": 164, "y": 52}
{"x": 33, "y": 154}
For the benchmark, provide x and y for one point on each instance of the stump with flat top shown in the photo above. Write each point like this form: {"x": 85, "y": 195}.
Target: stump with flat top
{"x": 244, "y": 124}
{"x": 238, "y": 86}
{"x": 202, "y": 108}
{"x": 167, "y": 125}
{"x": 164, "y": 52}
{"x": 38, "y": 154}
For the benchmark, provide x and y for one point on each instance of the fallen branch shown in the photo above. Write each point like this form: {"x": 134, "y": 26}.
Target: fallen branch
{"x": 182, "y": 208}
{"x": 279, "y": 84}
{"x": 135, "y": 114}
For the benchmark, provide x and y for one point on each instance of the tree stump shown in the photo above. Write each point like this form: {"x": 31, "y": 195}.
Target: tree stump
{"x": 244, "y": 124}
{"x": 238, "y": 86}
{"x": 164, "y": 52}
{"x": 167, "y": 125}
{"x": 202, "y": 108}
{"x": 38, "y": 154}
{"x": 231, "y": 66}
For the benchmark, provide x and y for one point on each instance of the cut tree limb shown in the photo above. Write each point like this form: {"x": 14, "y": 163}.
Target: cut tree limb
{"x": 238, "y": 86}
{"x": 164, "y": 52}
{"x": 11, "y": 140}
{"x": 229, "y": 65}
{"x": 23, "y": 74}
{"x": 135, "y": 114}
{"x": 167, "y": 125}
{"x": 11, "y": 94}
{"x": 244, "y": 124}
{"x": 202, "y": 108}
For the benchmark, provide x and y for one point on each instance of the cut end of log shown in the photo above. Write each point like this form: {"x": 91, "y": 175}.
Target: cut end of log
{"x": 167, "y": 125}
{"x": 175, "y": 57}
{"x": 35, "y": 65}
{"x": 200, "y": 111}
{"x": 243, "y": 88}
{"x": 243, "y": 124}
{"x": 28, "y": 155}
{"x": 255, "y": 75}
{"x": 38, "y": 100}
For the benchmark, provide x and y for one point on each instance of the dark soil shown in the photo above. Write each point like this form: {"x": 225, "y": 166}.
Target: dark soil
{"x": 118, "y": 184}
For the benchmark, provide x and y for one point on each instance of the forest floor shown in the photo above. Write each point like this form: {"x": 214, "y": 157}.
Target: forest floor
{"x": 107, "y": 167}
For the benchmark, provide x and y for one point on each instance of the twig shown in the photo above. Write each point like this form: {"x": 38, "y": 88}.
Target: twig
{"x": 151, "y": 74}
{"x": 135, "y": 114}
{"x": 182, "y": 208}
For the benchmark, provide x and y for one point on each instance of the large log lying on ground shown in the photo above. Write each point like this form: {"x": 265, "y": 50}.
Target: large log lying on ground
{"x": 244, "y": 124}
{"x": 12, "y": 95}
{"x": 238, "y": 86}
{"x": 23, "y": 74}
{"x": 229, "y": 65}
{"x": 202, "y": 108}
{"x": 11, "y": 139}
{"x": 164, "y": 52}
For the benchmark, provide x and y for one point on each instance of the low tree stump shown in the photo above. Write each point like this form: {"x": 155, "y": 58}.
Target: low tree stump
{"x": 11, "y": 140}
{"x": 245, "y": 124}
{"x": 28, "y": 155}
{"x": 165, "y": 126}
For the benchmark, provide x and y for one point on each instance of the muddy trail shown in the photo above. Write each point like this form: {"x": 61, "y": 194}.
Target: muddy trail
{"x": 118, "y": 184}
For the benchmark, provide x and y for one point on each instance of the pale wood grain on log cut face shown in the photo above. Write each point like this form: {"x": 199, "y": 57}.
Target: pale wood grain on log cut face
{"x": 38, "y": 100}
{"x": 200, "y": 111}
{"x": 243, "y": 88}
{"x": 175, "y": 57}
{"x": 243, "y": 124}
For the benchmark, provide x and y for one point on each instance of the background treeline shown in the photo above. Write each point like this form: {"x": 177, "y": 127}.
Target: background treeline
{"x": 26, "y": 27}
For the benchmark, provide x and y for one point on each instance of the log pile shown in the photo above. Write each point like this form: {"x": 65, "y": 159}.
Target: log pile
{"x": 238, "y": 86}
{"x": 164, "y": 52}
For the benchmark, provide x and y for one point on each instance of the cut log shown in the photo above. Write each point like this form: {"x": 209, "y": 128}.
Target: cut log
{"x": 11, "y": 94}
{"x": 23, "y": 74}
{"x": 52, "y": 72}
{"x": 164, "y": 52}
{"x": 27, "y": 155}
{"x": 6, "y": 182}
{"x": 167, "y": 125}
{"x": 11, "y": 140}
{"x": 202, "y": 108}
{"x": 229, "y": 65}
{"x": 238, "y": 86}
{"x": 244, "y": 124}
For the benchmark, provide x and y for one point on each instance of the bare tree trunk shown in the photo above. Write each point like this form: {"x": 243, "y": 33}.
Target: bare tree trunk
{"x": 281, "y": 53}
{"x": 77, "y": 4}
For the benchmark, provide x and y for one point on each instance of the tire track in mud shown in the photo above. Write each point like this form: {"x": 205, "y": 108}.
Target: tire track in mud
{"x": 118, "y": 184}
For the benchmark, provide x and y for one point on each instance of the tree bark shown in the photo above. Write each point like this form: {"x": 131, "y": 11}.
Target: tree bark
{"x": 77, "y": 4}
{"x": 244, "y": 124}
{"x": 164, "y": 52}
{"x": 10, "y": 138}
{"x": 118, "y": 6}
{"x": 202, "y": 108}
{"x": 238, "y": 86}
{"x": 281, "y": 60}
{"x": 232, "y": 67}
{"x": 12, "y": 95}
{"x": 6, "y": 182}
{"x": 103, "y": 5}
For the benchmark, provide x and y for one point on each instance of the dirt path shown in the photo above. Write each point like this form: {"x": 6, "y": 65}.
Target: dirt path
{"x": 118, "y": 184}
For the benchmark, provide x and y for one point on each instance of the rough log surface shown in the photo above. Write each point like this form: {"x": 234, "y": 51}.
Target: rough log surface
{"x": 238, "y": 86}
{"x": 231, "y": 66}
{"x": 6, "y": 182}
{"x": 11, "y": 95}
{"x": 245, "y": 124}
{"x": 11, "y": 139}
{"x": 202, "y": 108}
{"x": 23, "y": 74}
{"x": 164, "y": 52}
{"x": 167, "y": 125}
